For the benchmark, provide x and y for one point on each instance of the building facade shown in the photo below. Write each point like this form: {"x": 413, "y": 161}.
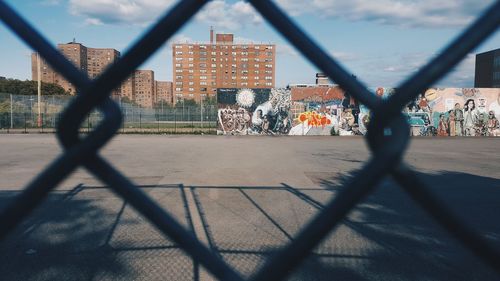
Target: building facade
{"x": 199, "y": 69}
{"x": 487, "y": 73}
{"x": 144, "y": 88}
{"x": 76, "y": 53}
{"x": 140, "y": 87}
{"x": 163, "y": 91}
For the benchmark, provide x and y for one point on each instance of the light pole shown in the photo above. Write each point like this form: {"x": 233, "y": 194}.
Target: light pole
{"x": 39, "y": 120}
{"x": 31, "y": 108}
{"x": 201, "y": 110}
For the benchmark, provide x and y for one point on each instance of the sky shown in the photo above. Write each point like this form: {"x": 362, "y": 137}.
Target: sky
{"x": 381, "y": 42}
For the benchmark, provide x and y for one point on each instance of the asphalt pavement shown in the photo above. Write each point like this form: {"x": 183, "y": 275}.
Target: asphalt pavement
{"x": 245, "y": 198}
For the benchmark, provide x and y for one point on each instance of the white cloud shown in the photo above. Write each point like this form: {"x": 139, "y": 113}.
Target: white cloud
{"x": 218, "y": 13}
{"x": 119, "y": 11}
{"x": 345, "y": 56}
{"x": 409, "y": 13}
{"x": 51, "y": 2}
{"x": 222, "y": 14}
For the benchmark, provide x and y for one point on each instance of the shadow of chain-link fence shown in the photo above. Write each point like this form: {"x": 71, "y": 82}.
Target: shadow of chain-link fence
{"x": 388, "y": 136}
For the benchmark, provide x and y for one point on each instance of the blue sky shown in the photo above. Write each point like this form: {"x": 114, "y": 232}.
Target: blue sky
{"x": 381, "y": 42}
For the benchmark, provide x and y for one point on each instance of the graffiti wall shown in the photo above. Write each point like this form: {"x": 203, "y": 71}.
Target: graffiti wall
{"x": 449, "y": 112}
{"x": 330, "y": 111}
{"x": 253, "y": 111}
{"x": 457, "y": 112}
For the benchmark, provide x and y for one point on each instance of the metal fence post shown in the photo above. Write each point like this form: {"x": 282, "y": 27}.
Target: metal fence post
{"x": 25, "y": 123}
{"x": 11, "y": 113}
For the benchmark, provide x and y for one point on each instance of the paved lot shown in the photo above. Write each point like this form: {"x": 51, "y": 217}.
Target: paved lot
{"x": 246, "y": 197}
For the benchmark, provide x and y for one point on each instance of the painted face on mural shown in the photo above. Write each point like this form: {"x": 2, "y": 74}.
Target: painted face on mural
{"x": 457, "y": 105}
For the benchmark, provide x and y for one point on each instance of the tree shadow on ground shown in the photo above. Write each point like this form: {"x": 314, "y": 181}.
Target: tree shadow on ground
{"x": 407, "y": 243}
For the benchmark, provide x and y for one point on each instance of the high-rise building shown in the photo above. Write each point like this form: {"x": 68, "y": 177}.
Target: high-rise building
{"x": 163, "y": 91}
{"x": 76, "y": 53}
{"x": 487, "y": 74}
{"x": 140, "y": 87}
{"x": 144, "y": 88}
{"x": 200, "y": 68}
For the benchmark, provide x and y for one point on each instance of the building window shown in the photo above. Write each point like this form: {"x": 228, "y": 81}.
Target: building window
{"x": 178, "y": 65}
{"x": 257, "y": 47}
{"x": 203, "y": 65}
{"x": 203, "y": 83}
{"x": 244, "y": 77}
{"x": 191, "y": 83}
{"x": 178, "y": 52}
{"x": 269, "y": 66}
{"x": 178, "y": 83}
{"x": 178, "y": 46}
{"x": 178, "y": 70}
{"x": 203, "y": 77}
{"x": 178, "y": 59}
{"x": 191, "y": 95}
{"x": 190, "y": 65}
{"x": 191, "y": 70}
{"x": 190, "y": 59}
{"x": 178, "y": 77}
{"x": 269, "y": 78}
{"x": 214, "y": 65}
{"x": 256, "y": 78}
{"x": 256, "y": 65}
{"x": 178, "y": 89}
{"x": 269, "y": 47}
{"x": 191, "y": 89}
{"x": 213, "y": 53}
{"x": 269, "y": 84}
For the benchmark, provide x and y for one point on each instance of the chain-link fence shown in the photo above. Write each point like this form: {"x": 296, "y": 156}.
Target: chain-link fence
{"x": 388, "y": 135}
{"x": 20, "y": 114}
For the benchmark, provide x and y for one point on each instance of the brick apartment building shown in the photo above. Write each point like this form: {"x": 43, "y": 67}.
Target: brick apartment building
{"x": 140, "y": 87}
{"x": 199, "y": 69}
{"x": 163, "y": 91}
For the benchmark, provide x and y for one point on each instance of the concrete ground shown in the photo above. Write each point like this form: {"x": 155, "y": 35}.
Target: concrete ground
{"x": 246, "y": 197}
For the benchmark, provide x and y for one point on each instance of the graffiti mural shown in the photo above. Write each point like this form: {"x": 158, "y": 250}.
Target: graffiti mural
{"x": 330, "y": 111}
{"x": 253, "y": 111}
{"x": 449, "y": 112}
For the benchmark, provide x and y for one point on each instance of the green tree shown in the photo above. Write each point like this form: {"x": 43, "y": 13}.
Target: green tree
{"x": 29, "y": 87}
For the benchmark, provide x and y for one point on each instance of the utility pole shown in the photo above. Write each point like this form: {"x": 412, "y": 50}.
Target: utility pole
{"x": 201, "y": 110}
{"x": 39, "y": 90}
{"x": 11, "y": 113}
